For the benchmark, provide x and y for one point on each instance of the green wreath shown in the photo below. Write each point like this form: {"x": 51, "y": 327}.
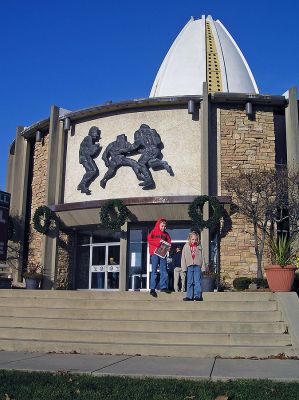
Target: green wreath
{"x": 110, "y": 207}
{"x": 43, "y": 219}
{"x": 195, "y": 212}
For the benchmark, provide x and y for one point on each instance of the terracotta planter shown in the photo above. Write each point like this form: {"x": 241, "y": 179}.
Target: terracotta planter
{"x": 280, "y": 279}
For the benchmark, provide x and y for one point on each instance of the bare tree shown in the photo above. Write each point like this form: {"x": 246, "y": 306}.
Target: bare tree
{"x": 15, "y": 243}
{"x": 266, "y": 198}
{"x": 287, "y": 182}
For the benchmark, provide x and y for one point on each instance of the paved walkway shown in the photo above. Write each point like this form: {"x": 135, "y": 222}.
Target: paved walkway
{"x": 172, "y": 367}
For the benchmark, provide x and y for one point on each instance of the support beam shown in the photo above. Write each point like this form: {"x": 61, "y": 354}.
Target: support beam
{"x": 292, "y": 130}
{"x": 17, "y": 185}
{"x": 53, "y": 192}
{"x": 123, "y": 259}
{"x": 205, "y": 236}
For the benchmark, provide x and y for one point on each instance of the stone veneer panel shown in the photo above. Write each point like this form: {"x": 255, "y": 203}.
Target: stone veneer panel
{"x": 38, "y": 187}
{"x": 64, "y": 244}
{"x": 63, "y": 278}
{"x": 245, "y": 145}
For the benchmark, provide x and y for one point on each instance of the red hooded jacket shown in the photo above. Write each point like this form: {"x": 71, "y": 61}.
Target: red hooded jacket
{"x": 156, "y": 235}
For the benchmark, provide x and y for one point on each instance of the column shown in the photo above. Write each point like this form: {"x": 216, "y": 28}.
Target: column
{"x": 17, "y": 185}
{"x": 53, "y": 193}
{"x": 205, "y": 114}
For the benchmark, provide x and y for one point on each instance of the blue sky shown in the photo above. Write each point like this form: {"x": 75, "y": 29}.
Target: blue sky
{"x": 77, "y": 54}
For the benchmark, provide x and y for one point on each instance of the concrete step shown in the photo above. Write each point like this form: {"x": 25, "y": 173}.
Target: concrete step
{"x": 150, "y": 338}
{"x": 110, "y": 304}
{"x": 178, "y": 350}
{"x": 116, "y": 295}
{"x": 145, "y": 326}
{"x": 230, "y": 324}
{"x": 158, "y": 315}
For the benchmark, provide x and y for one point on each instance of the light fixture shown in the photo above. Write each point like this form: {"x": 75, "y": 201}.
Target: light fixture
{"x": 248, "y": 108}
{"x": 66, "y": 124}
{"x": 38, "y": 136}
{"x": 191, "y": 106}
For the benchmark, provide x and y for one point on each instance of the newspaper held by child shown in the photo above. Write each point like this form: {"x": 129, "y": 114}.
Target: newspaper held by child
{"x": 163, "y": 249}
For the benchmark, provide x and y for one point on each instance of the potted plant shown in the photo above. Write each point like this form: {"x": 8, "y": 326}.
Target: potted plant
{"x": 208, "y": 279}
{"x": 281, "y": 273}
{"x": 33, "y": 275}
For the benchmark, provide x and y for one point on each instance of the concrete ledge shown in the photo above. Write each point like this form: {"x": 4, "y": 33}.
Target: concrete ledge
{"x": 289, "y": 306}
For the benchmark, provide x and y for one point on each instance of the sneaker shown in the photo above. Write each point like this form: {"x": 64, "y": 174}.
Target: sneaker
{"x": 198, "y": 298}
{"x": 153, "y": 293}
{"x": 165, "y": 290}
{"x": 187, "y": 299}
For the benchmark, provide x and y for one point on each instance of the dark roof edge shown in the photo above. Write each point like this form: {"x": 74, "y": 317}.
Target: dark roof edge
{"x": 42, "y": 125}
{"x": 130, "y": 104}
{"x": 264, "y": 99}
{"x": 108, "y": 107}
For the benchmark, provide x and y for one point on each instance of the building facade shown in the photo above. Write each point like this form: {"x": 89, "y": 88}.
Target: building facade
{"x": 203, "y": 122}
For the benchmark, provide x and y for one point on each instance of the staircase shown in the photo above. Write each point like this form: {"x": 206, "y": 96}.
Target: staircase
{"x": 224, "y": 324}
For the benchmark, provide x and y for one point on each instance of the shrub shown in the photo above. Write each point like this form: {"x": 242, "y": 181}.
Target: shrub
{"x": 241, "y": 283}
{"x": 260, "y": 282}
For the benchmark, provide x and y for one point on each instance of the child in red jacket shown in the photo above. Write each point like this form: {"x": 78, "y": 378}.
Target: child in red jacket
{"x": 154, "y": 238}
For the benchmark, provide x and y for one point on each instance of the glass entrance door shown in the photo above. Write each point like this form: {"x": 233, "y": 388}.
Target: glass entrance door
{"x": 104, "y": 266}
{"x": 137, "y": 259}
{"x": 139, "y": 267}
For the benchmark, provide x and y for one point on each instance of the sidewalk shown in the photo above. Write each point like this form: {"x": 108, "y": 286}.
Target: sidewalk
{"x": 159, "y": 367}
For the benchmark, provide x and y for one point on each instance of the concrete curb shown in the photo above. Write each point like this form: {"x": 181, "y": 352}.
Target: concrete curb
{"x": 151, "y": 366}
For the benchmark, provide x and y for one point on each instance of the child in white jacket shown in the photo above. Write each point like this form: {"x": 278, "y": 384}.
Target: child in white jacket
{"x": 192, "y": 262}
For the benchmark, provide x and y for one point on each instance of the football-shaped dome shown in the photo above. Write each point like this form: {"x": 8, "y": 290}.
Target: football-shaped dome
{"x": 204, "y": 51}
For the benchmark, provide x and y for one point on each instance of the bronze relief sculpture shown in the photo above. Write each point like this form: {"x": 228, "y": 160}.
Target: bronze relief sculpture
{"x": 114, "y": 157}
{"x": 147, "y": 144}
{"x": 89, "y": 149}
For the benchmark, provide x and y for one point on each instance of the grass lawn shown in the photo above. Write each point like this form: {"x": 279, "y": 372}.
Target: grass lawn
{"x": 62, "y": 386}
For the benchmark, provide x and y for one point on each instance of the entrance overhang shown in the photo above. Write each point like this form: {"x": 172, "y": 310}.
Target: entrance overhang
{"x": 174, "y": 208}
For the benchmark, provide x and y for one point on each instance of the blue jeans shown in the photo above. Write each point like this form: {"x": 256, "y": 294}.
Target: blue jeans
{"x": 156, "y": 261}
{"x": 193, "y": 281}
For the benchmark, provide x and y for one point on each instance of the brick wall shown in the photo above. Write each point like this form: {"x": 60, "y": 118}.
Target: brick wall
{"x": 245, "y": 145}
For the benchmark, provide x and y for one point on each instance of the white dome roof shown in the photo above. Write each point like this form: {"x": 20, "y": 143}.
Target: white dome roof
{"x": 204, "y": 51}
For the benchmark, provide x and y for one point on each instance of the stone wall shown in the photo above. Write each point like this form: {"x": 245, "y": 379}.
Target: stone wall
{"x": 38, "y": 196}
{"x": 63, "y": 279}
{"x": 245, "y": 145}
